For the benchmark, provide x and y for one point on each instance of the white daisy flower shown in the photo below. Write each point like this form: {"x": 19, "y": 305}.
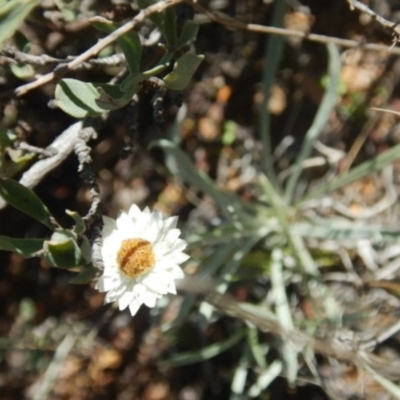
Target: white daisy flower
{"x": 141, "y": 255}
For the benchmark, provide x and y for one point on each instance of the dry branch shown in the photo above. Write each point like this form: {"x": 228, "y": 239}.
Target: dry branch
{"x": 230, "y": 22}
{"x": 100, "y": 45}
{"x": 62, "y": 146}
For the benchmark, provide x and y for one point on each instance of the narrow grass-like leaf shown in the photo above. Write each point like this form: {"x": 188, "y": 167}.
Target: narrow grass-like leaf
{"x": 272, "y": 58}
{"x": 25, "y": 247}
{"x": 55, "y": 368}
{"x": 230, "y": 269}
{"x": 25, "y": 200}
{"x": 282, "y": 308}
{"x": 181, "y": 166}
{"x": 240, "y": 377}
{"x": 283, "y": 314}
{"x": 321, "y": 118}
{"x": 300, "y": 251}
{"x": 255, "y": 347}
{"x": 209, "y": 268}
{"x": 227, "y": 273}
{"x": 206, "y": 353}
{"x": 318, "y": 290}
{"x": 343, "y": 231}
{"x": 362, "y": 170}
{"x": 265, "y": 378}
{"x": 391, "y": 387}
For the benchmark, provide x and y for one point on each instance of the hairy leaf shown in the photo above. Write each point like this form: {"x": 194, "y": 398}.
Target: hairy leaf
{"x": 25, "y": 247}
{"x": 62, "y": 251}
{"x": 85, "y": 99}
{"x": 25, "y": 200}
{"x": 130, "y": 42}
{"x": 188, "y": 35}
{"x": 184, "y": 69}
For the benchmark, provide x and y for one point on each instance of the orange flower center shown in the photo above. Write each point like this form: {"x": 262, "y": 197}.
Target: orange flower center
{"x": 135, "y": 257}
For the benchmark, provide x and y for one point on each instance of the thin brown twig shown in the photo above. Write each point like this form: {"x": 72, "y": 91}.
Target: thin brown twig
{"x": 11, "y": 55}
{"x": 214, "y": 16}
{"x": 230, "y": 22}
{"x": 392, "y": 26}
{"x": 100, "y": 45}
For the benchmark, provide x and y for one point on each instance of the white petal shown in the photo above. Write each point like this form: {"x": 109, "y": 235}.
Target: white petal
{"x": 150, "y": 299}
{"x": 126, "y": 299}
{"x": 109, "y": 225}
{"x": 179, "y": 258}
{"x": 172, "y": 288}
{"x": 170, "y": 223}
{"x": 104, "y": 284}
{"x": 123, "y": 222}
{"x": 150, "y": 233}
{"x": 134, "y": 307}
{"x": 134, "y": 212}
{"x": 159, "y": 287}
{"x": 177, "y": 272}
{"x": 160, "y": 249}
{"x": 172, "y": 235}
{"x": 179, "y": 245}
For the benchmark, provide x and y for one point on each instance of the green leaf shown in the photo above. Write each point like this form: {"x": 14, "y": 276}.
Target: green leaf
{"x": 130, "y": 83}
{"x": 68, "y": 8}
{"x": 359, "y": 172}
{"x": 205, "y": 353}
{"x": 86, "y": 275}
{"x": 25, "y": 247}
{"x": 132, "y": 48}
{"x": 229, "y": 132}
{"x": 129, "y": 42}
{"x": 188, "y": 35}
{"x": 12, "y": 14}
{"x": 78, "y": 98}
{"x": 22, "y": 71}
{"x": 27, "y": 309}
{"x": 25, "y": 200}
{"x": 85, "y": 99}
{"x": 343, "y": 231}
{"x": 169, "y": 28}
{"x": 80, "y": 225}
{"x": 181, "y": 166}
{"x": 62, "y": 251}
{"x": 18, "y": 161}
{"x": 184, "y": 69}
{"x": 112, "y": 97}
{"x": 7, "y": 138}
{"x": 321, "y": 119}
{"x": 273, "y": 51}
